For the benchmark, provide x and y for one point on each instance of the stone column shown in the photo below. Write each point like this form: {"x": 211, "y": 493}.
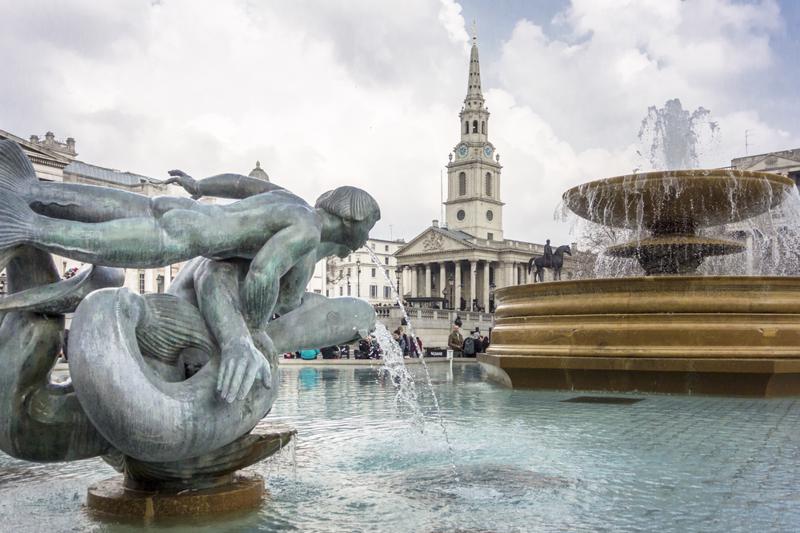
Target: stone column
{"x": 428, "y": 280}
{"x": 486, "y": 268}
{"x": 443, "y": 288}
{"x": 457, "y": 286}
{"x": 413, "y": 271}
{"x": 473, "y": 270}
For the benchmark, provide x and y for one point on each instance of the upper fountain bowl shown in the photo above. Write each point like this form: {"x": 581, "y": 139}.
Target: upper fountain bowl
{"x": 678, "y": 201}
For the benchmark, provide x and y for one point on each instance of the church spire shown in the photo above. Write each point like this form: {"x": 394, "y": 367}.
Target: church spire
{"x": 474, "y": 81}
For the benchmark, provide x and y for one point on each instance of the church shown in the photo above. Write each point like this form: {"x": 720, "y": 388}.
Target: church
{"x": 464, "y": 259}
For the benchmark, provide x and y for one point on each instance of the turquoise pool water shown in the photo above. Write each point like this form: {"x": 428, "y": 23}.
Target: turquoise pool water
{"x": 524, "y": 461}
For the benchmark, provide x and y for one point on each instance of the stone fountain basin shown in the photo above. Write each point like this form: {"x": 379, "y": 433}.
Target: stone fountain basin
{"x": 678, "y": 199}
{"x": 720, "y": 335}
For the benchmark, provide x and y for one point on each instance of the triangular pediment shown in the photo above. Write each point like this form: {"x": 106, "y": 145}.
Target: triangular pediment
{"x": 433, "y": 241}
{"x": 788, "y": 158}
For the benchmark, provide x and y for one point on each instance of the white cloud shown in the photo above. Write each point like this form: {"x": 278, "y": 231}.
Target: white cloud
{"x": 367, "y": 93}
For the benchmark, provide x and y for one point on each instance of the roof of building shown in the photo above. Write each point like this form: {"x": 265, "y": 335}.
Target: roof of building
{"x": 36, "y": 152}
{"x": 259, "y": 173}
{"x": 85, "y": 170}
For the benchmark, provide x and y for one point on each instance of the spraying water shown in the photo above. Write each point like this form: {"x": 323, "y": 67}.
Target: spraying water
{"x": 394, "y": 366}
{"x": 670, "y": 139}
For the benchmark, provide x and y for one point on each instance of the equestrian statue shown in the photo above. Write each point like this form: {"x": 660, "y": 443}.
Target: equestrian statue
{"x": 550, "y": 259}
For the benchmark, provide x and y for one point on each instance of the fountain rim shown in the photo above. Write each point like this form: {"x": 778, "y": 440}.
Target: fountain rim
{"x": 644, "y": 177}
{"x": 638, "y": 284}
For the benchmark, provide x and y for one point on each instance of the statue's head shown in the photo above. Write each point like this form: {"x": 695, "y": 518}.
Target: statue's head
{"x": 357, "y": 210}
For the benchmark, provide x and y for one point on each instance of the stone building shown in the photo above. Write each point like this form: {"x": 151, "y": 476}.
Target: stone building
{"x": 357, "y": 275}
{"x": 785, "y": 163}
{"x": 464, "y": 259}
{"x": 56, "y": 161}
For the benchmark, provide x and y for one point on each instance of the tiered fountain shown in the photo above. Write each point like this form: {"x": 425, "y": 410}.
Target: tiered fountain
{"x": 670, "y": 330}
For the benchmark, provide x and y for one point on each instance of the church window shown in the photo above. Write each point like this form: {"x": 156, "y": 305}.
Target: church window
{"x": 466, "y": 126}
{"x": 489, "y": 215}
{"x": 490, "y": 236}
{"x": 488, "y": 184}
{"x": 462, "y": 184}
{"x": 483, "y": 127}
{"x": 474, "y": 126}
{"x": 461, "y": 214}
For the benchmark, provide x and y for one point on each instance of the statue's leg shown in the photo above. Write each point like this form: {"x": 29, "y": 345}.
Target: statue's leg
{"x": 321, "y": 322}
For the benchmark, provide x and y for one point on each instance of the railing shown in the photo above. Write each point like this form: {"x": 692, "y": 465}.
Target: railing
{"x": 434, "y": 314}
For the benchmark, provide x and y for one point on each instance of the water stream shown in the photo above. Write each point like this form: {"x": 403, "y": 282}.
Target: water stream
{"x": 394, "y": 366}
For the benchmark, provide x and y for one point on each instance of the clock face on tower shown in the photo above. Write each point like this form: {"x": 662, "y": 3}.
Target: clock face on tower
{"x": 487, "y": 151}
{"x": 462, "y": 150}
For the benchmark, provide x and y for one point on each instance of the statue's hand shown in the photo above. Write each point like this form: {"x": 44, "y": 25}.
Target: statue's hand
{"x": 242, "y": 363}
{"x": 184, "y": 180}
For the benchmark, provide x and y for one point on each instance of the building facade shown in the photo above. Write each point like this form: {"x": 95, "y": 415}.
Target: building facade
{"x": 358, "y": 275}
{"x": 463, "y": 260}
{"x": 786, "y": 163}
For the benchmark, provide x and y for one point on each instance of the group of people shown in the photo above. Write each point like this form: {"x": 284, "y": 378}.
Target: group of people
{"x": 411, "y": 345}
{"x": 470, "y": 346}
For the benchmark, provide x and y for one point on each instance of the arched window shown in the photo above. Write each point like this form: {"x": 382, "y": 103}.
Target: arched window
{"x": 483, "y": 127}
{"x": 474, "y": 126}
{"x": 488, "y": 184}
{"x": 466, "y": 126}
{"x": 462, "y": 184}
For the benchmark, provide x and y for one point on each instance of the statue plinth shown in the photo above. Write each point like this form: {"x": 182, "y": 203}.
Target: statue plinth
{"x": 111, "y": 498}
{"x": 206, "y": 484}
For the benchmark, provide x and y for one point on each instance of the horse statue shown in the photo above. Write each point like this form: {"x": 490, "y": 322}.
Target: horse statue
{"x": 556, "y": 262}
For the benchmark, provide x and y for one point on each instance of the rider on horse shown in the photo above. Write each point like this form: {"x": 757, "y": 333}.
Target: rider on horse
{"x": 548, "y": 254}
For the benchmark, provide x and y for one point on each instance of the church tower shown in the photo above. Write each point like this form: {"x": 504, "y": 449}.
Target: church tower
{"x": 473, "y": 178}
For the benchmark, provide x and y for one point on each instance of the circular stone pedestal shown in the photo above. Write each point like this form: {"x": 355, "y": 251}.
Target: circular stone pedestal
{"x": 730, "y": 335}
{"x": 110, "y": 497}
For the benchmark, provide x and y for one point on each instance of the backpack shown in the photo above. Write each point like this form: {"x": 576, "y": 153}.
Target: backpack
{"x": 469, "y": 346}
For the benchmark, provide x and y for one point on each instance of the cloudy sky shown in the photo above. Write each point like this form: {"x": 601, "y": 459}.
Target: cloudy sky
{"x": 367, "y": 93}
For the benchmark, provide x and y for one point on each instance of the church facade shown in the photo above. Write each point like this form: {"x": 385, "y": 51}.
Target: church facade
{"x": 464, "y": 259}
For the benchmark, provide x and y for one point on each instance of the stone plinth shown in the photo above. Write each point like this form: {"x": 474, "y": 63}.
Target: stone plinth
{"x": 711, "y": 335}
{"x": 111, "y": 497}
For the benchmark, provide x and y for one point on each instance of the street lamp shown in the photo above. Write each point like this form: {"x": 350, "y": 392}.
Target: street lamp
{"x": 451, "y": 281}
{"x": 358, "y": 277}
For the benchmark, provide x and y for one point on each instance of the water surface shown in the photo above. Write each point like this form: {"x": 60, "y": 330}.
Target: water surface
{"x": 525, "y": 461}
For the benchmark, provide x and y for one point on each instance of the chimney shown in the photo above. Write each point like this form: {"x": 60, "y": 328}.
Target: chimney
{"x": 435, "y": 223}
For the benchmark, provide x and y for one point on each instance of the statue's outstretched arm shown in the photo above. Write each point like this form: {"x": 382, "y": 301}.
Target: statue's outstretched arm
{"x": 217, "y": 286}
{"x": 234, "y": 186}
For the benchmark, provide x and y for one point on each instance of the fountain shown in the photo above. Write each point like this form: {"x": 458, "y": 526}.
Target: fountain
{"x": 671, "y": 330}
{"x": 170, "y": 389}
